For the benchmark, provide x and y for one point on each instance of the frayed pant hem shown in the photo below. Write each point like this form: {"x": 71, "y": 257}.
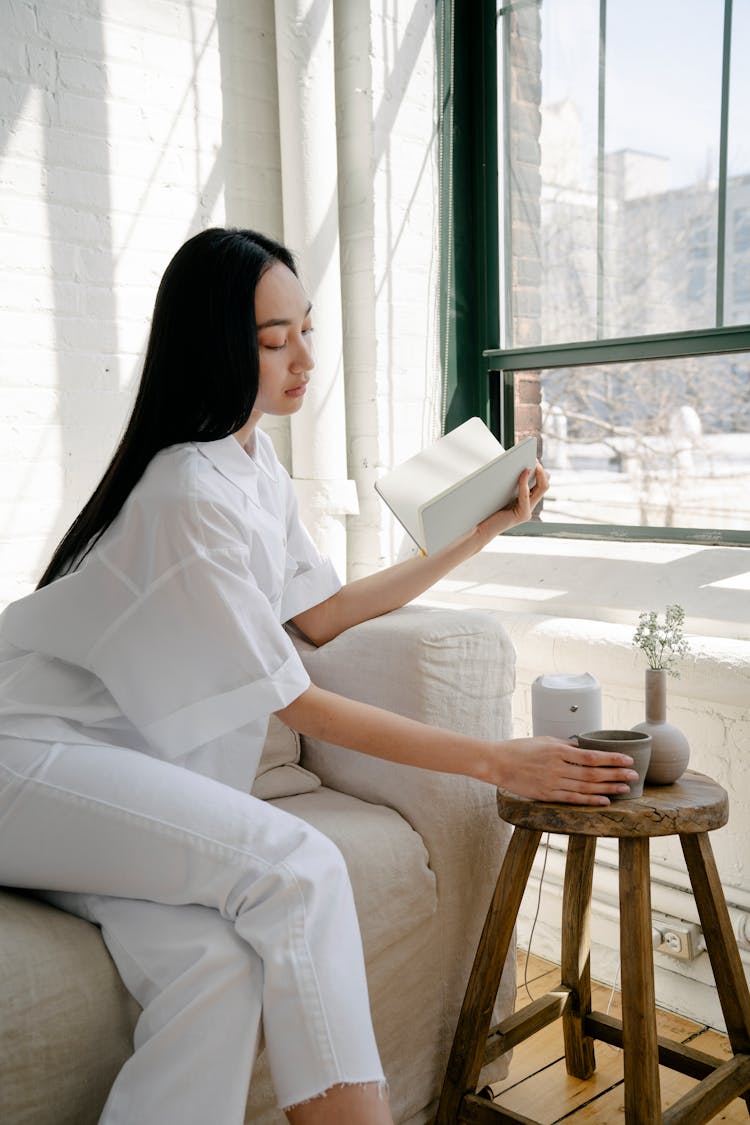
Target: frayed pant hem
{"x": 380, "y": 1083}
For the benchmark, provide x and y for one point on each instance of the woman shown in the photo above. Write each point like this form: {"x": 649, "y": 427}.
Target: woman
{"x": 136, "y": 685}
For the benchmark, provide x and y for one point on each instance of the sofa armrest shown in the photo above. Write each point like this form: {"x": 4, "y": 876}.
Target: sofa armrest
{"x": 449, "y": 668}
{"x": 444, "y": 667}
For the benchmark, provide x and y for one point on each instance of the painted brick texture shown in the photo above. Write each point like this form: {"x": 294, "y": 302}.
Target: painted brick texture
{"x": 124, "y": 130}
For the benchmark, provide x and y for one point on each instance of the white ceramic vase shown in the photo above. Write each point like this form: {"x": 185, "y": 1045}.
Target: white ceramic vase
{"x": 670, "y": 750}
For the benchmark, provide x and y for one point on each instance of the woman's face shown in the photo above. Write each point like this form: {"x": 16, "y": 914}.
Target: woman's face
{"x": 282, "y": 315}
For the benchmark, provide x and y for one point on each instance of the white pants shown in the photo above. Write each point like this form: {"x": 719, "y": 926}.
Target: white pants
{"x": 214, "y": 905}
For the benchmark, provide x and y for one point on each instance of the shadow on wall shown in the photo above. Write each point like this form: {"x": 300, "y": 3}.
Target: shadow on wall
{"x": 400, "y": 61}
{"x": 119, "y": 179}
{"x": 75, "y": 252}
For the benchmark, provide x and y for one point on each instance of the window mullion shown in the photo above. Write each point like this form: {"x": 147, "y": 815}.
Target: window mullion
{"x": 723, "y": 149}
{"x": 504, "y": 185}
{"x": 600, "y": 170}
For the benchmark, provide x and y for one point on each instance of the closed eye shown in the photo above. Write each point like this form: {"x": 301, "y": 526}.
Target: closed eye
{"x": 306, "y": 331}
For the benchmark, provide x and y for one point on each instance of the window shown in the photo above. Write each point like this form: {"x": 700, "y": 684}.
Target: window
{"x": 600, "y": 148}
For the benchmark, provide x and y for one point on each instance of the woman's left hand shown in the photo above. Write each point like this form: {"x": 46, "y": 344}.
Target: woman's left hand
{"x": 522, "y": 507}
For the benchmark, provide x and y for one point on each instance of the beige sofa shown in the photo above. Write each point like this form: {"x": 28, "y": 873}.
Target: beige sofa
{"x": 423, "y": 851}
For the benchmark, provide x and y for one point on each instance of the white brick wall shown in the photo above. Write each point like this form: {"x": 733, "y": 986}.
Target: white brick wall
{"x": 124, "y": 130}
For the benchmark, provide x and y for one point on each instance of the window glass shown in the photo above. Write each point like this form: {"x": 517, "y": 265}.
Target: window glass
{"x": 611, "y": 140}
{"x": 550, "y": 146}
{"x": 662, "y": 95}
{"x": 658, "y": 443}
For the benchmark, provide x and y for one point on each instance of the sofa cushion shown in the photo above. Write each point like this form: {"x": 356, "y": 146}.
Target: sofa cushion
{"x": 279, "y": 772}
{"x": 66, "y": 1017}
{"x": 394, "y": 888}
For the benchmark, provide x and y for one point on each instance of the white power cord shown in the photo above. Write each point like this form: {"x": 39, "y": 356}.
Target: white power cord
{"x": 656, "y": 935}
{"x": 536, "y": 915}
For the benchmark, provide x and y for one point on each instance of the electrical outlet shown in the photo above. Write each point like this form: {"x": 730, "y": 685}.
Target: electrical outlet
{"x": 678, "y": 939}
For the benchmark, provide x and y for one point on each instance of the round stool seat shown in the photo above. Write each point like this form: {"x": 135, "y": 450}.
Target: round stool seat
{"x": 692, "y": 804}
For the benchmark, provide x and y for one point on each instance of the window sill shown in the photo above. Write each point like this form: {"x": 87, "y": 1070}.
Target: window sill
{"x": 608, "y": 581}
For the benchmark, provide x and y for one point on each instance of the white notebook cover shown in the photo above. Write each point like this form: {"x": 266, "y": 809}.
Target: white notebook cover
{"x": 450, "y": 487}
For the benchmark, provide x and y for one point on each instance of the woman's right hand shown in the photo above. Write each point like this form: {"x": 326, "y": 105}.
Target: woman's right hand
{"x": 553, "y": 769}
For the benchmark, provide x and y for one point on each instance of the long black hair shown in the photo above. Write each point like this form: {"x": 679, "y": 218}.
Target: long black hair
{"x": 200, "y": 373}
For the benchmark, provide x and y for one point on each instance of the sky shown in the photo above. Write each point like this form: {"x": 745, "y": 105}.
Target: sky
{"x": 663, "y": 91}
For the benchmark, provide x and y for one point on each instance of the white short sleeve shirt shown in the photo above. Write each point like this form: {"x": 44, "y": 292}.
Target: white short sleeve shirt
{"x": 169, "y": 638}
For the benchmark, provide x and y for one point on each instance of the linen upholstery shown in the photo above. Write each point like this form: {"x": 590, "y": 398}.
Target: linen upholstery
{"x": 394, "y": 888}
{"x": 279, "y": 772}
{"x": 423, "y": 851}
{"x": 66, "y": 1020}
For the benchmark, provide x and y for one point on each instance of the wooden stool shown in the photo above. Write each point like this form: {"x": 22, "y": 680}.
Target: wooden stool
{"x": 690, "y": 809}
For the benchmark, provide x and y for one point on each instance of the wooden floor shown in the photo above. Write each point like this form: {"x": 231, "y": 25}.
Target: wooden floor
{"x": 539, "y": 1087}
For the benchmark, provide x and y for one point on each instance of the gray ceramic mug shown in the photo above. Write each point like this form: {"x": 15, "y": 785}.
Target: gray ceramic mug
{"x": 636, "y": 743}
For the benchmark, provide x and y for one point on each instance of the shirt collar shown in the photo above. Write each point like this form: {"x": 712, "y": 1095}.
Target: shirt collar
{"x": 228, "y": 456}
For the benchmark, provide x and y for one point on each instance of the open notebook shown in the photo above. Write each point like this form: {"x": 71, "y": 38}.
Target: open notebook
{"x": 450, "y": 487}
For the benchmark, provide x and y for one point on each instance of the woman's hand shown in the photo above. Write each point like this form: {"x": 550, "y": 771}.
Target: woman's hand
{"x": 521, "y": 509}
{"x": 552, "y": 769}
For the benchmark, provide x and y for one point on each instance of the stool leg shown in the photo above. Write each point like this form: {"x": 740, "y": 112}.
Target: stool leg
{"x": 721, "y": 944}
{"x": 575, "y": 959}
{"x": 640, "y": 1049}
{"x": 467, "y": 1052}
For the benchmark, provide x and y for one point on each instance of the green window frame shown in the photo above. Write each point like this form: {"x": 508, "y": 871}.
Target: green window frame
{"x": 479, "y": 373}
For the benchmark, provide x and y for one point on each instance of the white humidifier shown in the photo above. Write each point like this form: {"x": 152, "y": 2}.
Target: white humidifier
{"x": 566, "y": 704}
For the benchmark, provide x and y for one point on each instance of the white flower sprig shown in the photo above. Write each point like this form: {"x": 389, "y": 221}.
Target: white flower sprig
{"x": 662, "y": 642}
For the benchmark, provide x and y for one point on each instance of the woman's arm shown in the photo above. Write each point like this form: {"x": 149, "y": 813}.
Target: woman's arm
{"x": 547, "y": 769}
{"x": 396, "y": 585}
